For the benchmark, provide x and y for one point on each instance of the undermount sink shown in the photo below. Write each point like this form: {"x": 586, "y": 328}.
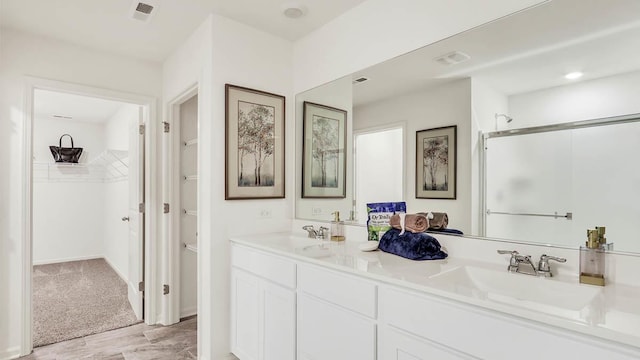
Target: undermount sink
{"x": 542, "y": 294}
{"x": 314, "y": 251}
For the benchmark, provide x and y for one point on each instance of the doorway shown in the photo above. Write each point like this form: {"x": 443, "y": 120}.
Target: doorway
{"x": 378, "y": 150}
{"x": 181, "y": 178}
{"x": 87, "y": 235}
{"x": 89, "y": 201}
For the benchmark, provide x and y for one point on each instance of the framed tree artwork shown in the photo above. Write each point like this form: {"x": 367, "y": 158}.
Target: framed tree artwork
{"x": 324, "y": 145}
{"x": 436, "y": 163}
{"x": 254, "y": 166}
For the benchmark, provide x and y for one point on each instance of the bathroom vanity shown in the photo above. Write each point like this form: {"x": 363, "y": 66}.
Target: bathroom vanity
{"x": 299, "y": 298}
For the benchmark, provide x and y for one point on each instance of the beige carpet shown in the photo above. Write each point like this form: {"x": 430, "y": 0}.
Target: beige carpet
{"x": 78, "y": 298}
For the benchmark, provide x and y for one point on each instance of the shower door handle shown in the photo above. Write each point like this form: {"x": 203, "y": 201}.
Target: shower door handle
{"x": 125, "y": 218}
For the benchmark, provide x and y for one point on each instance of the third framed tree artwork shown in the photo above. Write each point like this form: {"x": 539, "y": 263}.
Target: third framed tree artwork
{"x": 324, "y": 146}
{"x": 436, "y": 163}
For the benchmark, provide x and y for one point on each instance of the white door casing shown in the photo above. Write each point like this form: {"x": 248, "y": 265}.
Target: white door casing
{"x": 148, "y": 113}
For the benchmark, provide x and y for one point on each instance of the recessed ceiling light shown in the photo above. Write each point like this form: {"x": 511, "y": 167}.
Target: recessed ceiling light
{"x": 573, "y": 75}
{"x": 293, "y": 10}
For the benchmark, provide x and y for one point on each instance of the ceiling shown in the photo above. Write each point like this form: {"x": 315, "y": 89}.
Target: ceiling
{"x": 107, "y": 24}
{"x": 46, "y": 104}
{"x": 526, "y": 51}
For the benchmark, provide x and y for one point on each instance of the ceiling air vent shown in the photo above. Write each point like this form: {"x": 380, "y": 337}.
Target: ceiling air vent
{"x": 452, "y": 58}
{"x": 360, "y": 80}
{"x": 143, "y": 10}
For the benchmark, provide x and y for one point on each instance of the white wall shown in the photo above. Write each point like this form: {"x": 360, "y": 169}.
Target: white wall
{"x": 23, "y": 54}
{"x": 583, "y": 100}
{"x": 67, "y": 216}
{"x": 115, "y": 236}
{"x": 446, "y": 105}
{"x": 247, "y": 57}
{"x": 378, "y": 30}
{"x": 188, "y": 65}
{"x": 337, "y": 94}
{"x": 224, "y": 51}
{"x": 485, "y": 103}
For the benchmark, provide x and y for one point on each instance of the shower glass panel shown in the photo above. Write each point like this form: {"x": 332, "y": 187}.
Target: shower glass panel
{"x": 606, "y": 183}
{"x": 583, "y": 171}
{"x": 526, "y": 176}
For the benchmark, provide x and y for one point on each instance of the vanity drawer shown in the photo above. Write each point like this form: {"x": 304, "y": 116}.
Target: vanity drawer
{"x": 271, "y": 267}
{"x": 350, "y": 292}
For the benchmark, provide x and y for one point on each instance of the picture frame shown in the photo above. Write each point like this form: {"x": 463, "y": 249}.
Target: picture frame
{"x": 324, "y": 144}
{"x": 436, "y": 162}
{"x": 254, "y": 144}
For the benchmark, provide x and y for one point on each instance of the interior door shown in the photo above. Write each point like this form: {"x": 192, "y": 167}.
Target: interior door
{"x": 136, "y": 216}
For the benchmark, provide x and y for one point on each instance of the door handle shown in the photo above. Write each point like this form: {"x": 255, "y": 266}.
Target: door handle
{"x": 125, "y": 218}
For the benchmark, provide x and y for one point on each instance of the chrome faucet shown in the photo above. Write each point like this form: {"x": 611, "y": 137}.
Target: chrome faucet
{"x": 522, "y": 264}
{"x": 320, "y": 234}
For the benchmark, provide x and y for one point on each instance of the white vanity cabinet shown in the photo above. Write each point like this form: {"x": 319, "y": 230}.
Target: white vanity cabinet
{"x": 417, "y": 326}
{"x": 336, "y": 315}
{"x": 287, "y": 308}
{"x": 263, "y": 306}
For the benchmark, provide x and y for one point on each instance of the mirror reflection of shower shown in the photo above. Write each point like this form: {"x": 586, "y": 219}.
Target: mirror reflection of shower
{"x": 506, "y": 117}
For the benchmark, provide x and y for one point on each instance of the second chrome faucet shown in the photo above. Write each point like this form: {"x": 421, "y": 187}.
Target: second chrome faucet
{"x": 523, "y": 264}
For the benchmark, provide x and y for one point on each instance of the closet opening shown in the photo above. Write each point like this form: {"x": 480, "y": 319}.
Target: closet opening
{"x": 87, "y": 215}
{"x": 181, "y": 161}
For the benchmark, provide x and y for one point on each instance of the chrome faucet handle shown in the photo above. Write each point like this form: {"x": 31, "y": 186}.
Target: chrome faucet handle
{"x": 543, "y": 265}
{"x": 310, "y": 230}
{"x": 515, "y": 260}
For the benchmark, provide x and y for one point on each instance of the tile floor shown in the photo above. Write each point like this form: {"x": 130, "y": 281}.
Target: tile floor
{"x": 137, "y": 342}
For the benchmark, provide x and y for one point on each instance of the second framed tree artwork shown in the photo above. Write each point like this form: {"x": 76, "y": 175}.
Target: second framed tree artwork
{"x": 324, "y": 151}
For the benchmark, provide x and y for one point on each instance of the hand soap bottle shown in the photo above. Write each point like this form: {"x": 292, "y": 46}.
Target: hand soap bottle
{"x": 337, "y": 227}
{"x": 592, "y": 257}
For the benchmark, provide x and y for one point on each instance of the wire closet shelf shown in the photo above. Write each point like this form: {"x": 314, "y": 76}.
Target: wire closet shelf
{"x": 109, "y": 166}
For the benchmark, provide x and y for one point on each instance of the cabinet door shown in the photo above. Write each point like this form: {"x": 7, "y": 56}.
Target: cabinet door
{"x": 329, "y": 332}
{"x": 394, "y": 344}
{"x": 279, "y": 322}
{"x": 245, "y": 315}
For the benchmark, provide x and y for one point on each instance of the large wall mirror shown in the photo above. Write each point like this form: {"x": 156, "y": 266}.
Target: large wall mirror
{"x": 542, "y": 154}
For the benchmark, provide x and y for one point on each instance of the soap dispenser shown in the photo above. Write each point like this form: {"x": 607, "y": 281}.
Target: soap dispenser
{"x": 592, "y": 257}
{"x": 337, "y": 227}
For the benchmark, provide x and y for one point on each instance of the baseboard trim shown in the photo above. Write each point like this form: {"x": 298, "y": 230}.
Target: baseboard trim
{"x": 12, "y": 353}
{"x": 229, "y": 357}
{"x": 122, "y": 276}
{"x": 77, "y": 258}
{"x": 191, "y": 311}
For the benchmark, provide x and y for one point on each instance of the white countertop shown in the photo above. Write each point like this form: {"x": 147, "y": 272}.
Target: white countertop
{"x": 611, "y": 312}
